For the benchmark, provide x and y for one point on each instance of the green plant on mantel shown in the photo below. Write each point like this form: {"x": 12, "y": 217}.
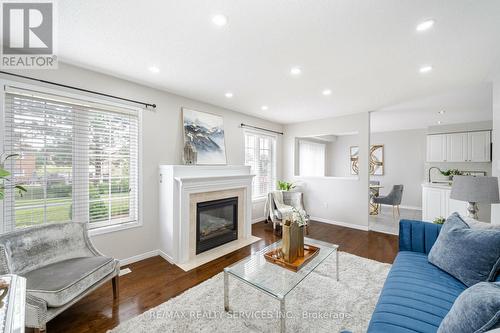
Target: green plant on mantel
{"x": 3, "y": 177}
{"x": 439, "y": 220}
{"x": 284, "y": 186}
{"x": 451, "y": 172}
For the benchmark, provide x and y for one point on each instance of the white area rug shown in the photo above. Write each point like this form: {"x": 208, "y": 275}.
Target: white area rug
{"x": 318, "y": 304}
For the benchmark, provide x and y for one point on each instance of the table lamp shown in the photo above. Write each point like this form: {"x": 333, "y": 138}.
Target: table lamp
{"x": 475, "y": 190}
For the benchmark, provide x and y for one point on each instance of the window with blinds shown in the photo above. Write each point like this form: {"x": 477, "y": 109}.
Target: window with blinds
{"x": 260, "y": 155}
{"x": 77, "y": 160}
{"x": 311, "y": 158}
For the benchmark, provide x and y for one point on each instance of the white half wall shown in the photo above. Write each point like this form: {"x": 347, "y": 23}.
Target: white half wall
{"x": 162, "y": 136}
{"x": 334, "y": 199}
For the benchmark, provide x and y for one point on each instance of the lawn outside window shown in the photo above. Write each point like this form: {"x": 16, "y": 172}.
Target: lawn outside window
{"x": 78, "y": 159}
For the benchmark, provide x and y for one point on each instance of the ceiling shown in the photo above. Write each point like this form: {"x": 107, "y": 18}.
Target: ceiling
{"x": 460, "y": 105}
{"x": 366, "y": 52}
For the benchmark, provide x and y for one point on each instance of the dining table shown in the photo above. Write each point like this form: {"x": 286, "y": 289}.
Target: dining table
{"x": 374, "y": 192}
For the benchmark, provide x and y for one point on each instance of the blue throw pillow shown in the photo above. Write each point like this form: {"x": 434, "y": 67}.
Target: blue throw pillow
{"x": 477, "y": 310}
{"x": 470, "y": 255}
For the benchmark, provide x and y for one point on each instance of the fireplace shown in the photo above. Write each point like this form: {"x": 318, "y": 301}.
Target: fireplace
{"x": 216, "y": 223}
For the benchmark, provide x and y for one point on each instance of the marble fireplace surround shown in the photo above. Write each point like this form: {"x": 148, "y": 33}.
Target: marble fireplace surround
{"x": 196, "y": 198}
{"x": 181, "y": 188}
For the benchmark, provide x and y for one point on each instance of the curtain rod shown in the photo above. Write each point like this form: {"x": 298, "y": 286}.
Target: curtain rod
{"x": 80, "y": 89}
{"x": 262, "y": 129}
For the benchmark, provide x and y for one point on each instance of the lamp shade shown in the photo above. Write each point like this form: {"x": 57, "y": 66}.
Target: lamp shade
{"x": 475, "y": 189}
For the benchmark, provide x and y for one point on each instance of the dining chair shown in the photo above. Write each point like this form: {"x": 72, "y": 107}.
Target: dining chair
{"x": 393, "y": 198}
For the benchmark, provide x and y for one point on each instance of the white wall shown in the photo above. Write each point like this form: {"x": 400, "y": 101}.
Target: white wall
{"x": 339, "y": 156}
{"x": 404, "y": 158}
{"x": 162, "y": 144}
{"x": 340, "y": 200}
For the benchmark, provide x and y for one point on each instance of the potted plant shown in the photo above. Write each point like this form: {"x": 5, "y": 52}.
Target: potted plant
{"x": 285, "y": 186}
{"x": 439, "y": 220}
{"x": 4, "y": 174}
{"x": 451, "y": 172}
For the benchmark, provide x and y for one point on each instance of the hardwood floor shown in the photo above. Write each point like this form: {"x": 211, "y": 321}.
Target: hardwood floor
{"x": 154, "y": 281}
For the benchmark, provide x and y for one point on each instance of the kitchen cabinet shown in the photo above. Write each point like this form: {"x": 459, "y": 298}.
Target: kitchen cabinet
{"x": 479, "y": 146}
{"x": 459, "y": 147}
{"x": 436, "y": 202}
{"x": 436, "y": 148}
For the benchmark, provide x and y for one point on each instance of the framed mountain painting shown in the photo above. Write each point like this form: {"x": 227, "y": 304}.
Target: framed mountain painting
{"x": 205, "y": 131}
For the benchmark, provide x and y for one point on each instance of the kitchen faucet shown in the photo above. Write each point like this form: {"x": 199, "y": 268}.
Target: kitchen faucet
{"x": 429, "y": 172}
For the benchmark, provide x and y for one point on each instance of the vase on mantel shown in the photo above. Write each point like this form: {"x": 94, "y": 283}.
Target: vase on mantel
{"x": 190, "y": 154}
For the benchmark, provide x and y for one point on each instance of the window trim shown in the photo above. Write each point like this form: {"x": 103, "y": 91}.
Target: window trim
{"x": 4, "y": 83}
{"x": 275, "y": 144}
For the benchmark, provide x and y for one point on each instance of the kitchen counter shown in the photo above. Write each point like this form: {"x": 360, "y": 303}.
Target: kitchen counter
{"x": 445, "y": 186}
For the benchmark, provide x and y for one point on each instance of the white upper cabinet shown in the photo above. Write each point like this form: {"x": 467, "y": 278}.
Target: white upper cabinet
{"x": 456, "y": 147}
{"x": 436, "y": 148}
{"x": 459, "y": 147}
{"x": 479, "y": 146}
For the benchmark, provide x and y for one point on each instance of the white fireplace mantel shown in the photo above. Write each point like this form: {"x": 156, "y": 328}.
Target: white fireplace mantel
{"x": 179, "y": 185}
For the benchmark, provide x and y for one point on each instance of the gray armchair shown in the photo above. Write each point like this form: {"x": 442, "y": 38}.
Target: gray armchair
{"x": 393, "y": 198}
{"x": 294, "y": 199}
{"x": 60, "y": 265}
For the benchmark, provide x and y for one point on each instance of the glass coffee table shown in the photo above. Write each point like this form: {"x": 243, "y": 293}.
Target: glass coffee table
{"x": 275, "y": 280}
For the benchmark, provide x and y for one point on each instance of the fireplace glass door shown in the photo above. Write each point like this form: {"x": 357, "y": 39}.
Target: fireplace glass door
{"x": 216, "y": 223}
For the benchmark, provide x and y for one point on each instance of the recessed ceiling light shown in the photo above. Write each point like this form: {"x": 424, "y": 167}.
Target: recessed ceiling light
{"x": 295, "y": 71}
{"x": 264, "y": 107}
{"x": 442, "y": 112}
{"x": 154, "y": 69}
{"x": 327, "y": 92}
{"x": 439, "y": 122}
{"x": 219, "y": 20}
{"x": 229, "y": 94}
{"x": 425, "y": 69}
{"x": 425, "y": 25}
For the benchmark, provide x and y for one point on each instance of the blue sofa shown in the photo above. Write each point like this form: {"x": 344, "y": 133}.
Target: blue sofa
{"x": 416, "y": 295}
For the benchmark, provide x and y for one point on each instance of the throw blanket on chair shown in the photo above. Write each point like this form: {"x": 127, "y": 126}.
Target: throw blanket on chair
{"x": 275, "y": 200}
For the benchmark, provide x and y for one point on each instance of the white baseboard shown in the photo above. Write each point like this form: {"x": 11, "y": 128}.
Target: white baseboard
{"x": 139, "y": 257}
{"x": 259, "y": 219}
{"x": 342, "y": 224}
{"x": 385, "y": 232}
{"x": 154, "y": 253}
{"x": 165, "y": 256}
{"x": 410, "y": 207}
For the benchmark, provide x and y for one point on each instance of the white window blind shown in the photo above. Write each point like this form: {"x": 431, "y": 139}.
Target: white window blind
{"x": 260, "y": 151}
{"x": 78, "y": 161}
{"x": 312, "y": 158}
